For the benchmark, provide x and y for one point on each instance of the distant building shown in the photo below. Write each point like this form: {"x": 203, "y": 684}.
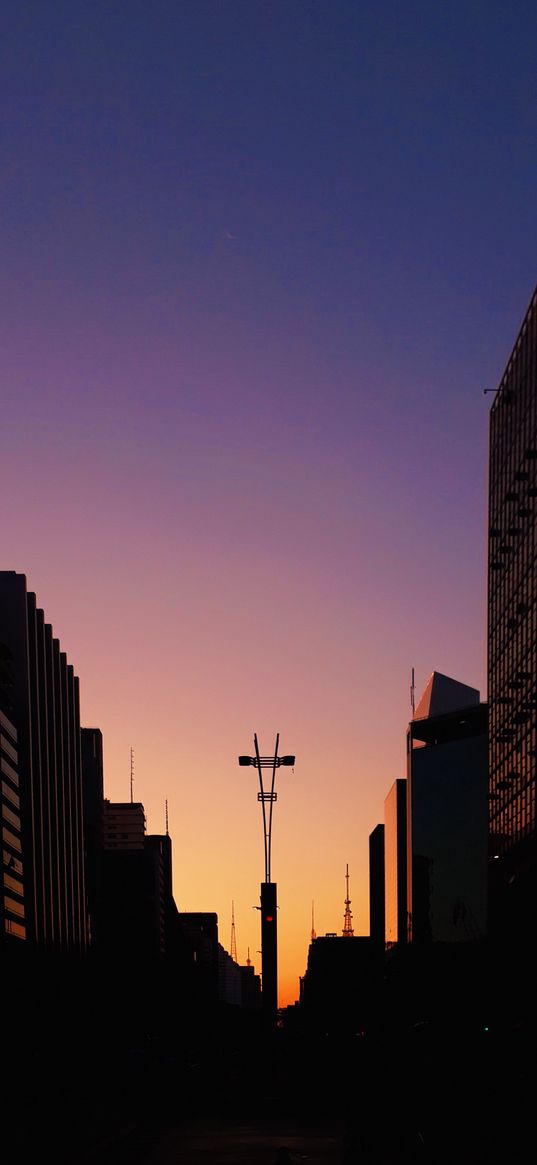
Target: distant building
{"x": 447, "y": 757}
{"x": 138, "y": 913}
{"x": 512, "y": 643}
{"x": 338, "y": 991}
{"x": 93, "y": 797}
{"x": 229, "y": 979}
{"x": 44, "y": 771}
{"x": 395, "y": 864}
{"x": 376, "y": 886}
{"x": 250, "y": 988}
{"x": 199, "y": 932}
{"x": 160, "y": 906}
{"x": 123, "y": 825}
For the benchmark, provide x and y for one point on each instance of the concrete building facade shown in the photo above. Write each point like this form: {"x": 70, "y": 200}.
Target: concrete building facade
{"x": 43, "y": 694}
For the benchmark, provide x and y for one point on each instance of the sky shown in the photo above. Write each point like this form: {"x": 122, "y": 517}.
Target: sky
{"x": 259, "y": 261}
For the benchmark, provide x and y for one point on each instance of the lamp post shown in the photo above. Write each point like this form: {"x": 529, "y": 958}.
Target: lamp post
{"x": 269, "y": 929}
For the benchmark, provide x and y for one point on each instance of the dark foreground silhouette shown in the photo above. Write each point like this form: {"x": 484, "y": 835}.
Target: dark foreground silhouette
{"x": 425, "y": 1096}
{"x": 126, "y": 1073}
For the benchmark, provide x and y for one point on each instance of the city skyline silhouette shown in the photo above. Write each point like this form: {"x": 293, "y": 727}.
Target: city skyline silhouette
{"x": 268, "y": 355}
{"x": 268, "y": 446}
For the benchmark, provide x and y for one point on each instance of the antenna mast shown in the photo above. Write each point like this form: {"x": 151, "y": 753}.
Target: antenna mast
{"x": 132, "y": 774}
{"x": 347, "y": 923}
{"x": 313, "y": 931}
{"x": 233, "y": 951}
{"x": 166, "y": 817}
{"x": 412, "y": 702}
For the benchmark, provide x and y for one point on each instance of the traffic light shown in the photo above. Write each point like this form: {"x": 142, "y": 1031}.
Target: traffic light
{"x": 269, "y": 947}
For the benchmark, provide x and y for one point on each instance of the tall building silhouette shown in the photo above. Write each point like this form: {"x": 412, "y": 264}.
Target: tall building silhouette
{"x": 93, "y": 797}
{"x": 376, "y": 886}
{"x": 512, "y": 640}
{"x": 41, "y": 700}
{"x": 137, "y": 908}
{"x": 395, "y": 864}
{"x": 338, "y": 991}
{"x": 447, "y": 766}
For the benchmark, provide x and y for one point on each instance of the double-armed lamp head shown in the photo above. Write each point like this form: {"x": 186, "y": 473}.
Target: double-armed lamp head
{"x": 267, "y": 761}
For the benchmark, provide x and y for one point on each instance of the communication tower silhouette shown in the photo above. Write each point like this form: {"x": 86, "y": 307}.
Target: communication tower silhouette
{"x": 347, "y": 922}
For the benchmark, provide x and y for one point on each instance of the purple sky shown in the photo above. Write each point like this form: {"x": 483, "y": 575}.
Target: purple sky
{"x": 259, "y": 260}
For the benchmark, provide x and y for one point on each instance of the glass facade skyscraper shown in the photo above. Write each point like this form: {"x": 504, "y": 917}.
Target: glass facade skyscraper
{"x": 447, "y": 749}
{"x": 512, "y": 636}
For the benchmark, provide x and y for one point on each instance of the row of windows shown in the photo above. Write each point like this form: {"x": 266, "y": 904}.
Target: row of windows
{"x": 513, "y": 823}
{"x": 9, "y": 771}
{"x": 507, "y": 746}
{"x": 508, "y": 773}
{"x": 10, "y": 839}
{"x": 511, "y": 582}
{"x": 5, "y": 722}
{"x": 512, "y": 792}
{"x": 14, "y": 928}
{"x": 507, "y": 721}
{"x": 12, "y": 862}
{"x": 509, "y": 715}
{"x": 518, "y": 644}
{"x": 512, "y": 498}
{"x": 8, "y": 749}
{"x": 12, "y": 906}
{"x": 512, "y": 784}
{"x": 10, "y": 794}
{"x": 11, "y": 817}
{"x": 513, "y": 672}
{"x": 510, "y": 414}
{"x": 13, "y": 884}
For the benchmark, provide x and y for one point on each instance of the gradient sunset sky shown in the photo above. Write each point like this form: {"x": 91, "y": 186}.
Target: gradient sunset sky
{"x": 259, "y": 259}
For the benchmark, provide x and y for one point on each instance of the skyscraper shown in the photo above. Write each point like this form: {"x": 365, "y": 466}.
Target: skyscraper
{"x": 93, "y": 785}
{"x": 42, "y": 692}
{"x": 376, "y": 886}
{"x": 512, "y": 639}
{"x": 447, "y": 814}
{"x": 395, "y": 860}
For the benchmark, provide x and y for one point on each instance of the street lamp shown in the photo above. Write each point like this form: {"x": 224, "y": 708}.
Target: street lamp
{"x": 269, "y": 941}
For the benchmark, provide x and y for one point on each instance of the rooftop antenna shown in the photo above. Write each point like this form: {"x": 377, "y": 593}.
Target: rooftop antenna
{"x": 313, "y": 931}
{"x": 233, "y": 951}
{"x": 248, "y": 961}
{"x": 166, "y": 817}
{"x": 347, "y": 924}
{"x": 412, "y": 692}
{"x": 132, "y": 774}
